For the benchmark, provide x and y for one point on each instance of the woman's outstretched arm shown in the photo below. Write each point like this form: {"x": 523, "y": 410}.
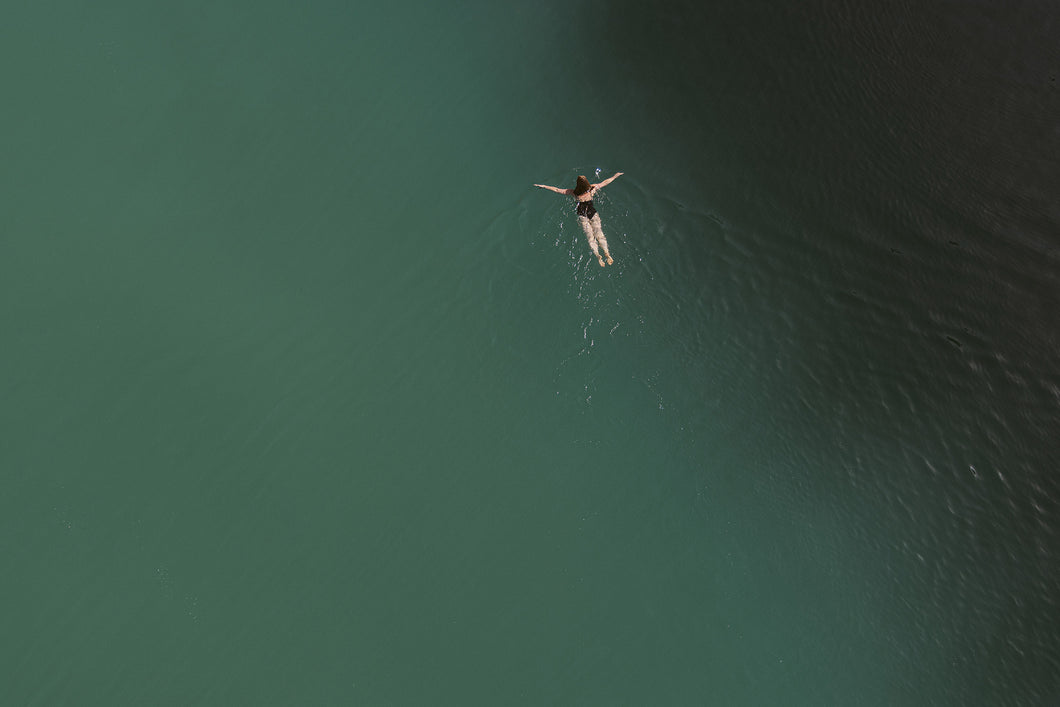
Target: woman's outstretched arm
{"x": 557, "y": 189}
{"x": 607, "y": 181}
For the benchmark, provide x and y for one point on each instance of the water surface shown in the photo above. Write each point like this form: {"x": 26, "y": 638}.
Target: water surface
{"x": 311, "y": 398}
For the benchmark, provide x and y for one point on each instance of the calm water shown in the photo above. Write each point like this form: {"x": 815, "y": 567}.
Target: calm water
{"x": 310, "y": 398}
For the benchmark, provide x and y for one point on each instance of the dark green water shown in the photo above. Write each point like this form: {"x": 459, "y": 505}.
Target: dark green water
{"x": 310, "y": 398}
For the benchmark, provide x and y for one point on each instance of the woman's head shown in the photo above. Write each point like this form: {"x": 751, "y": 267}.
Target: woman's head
{"x": 582, "y": 186}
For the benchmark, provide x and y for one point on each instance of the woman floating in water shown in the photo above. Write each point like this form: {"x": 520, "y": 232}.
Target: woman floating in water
{"x": 588, "y": 218}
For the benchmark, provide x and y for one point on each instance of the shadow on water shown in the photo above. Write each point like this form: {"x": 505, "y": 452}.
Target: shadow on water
{"x": 888, "y": 177}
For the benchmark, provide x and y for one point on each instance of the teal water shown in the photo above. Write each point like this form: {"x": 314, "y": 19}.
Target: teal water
{"x": 310, "y": 398}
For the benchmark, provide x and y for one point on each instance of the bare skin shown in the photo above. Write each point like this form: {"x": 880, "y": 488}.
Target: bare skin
{"x": 593, "y": 228}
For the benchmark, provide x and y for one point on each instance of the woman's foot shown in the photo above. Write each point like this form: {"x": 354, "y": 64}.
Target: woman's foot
{"x": 609, "y": 260}
{"x": 601, "y": 260}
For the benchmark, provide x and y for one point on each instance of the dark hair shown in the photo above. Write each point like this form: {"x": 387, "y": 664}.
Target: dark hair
{"x": 581, "y": 186}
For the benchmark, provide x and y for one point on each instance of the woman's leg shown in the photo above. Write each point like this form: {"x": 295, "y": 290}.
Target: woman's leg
{"x": 591, "y": 236}
{"x": 598, "y": 232}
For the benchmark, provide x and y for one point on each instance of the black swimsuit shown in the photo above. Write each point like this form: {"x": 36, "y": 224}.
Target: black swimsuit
{"x": 586, "y": 209}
